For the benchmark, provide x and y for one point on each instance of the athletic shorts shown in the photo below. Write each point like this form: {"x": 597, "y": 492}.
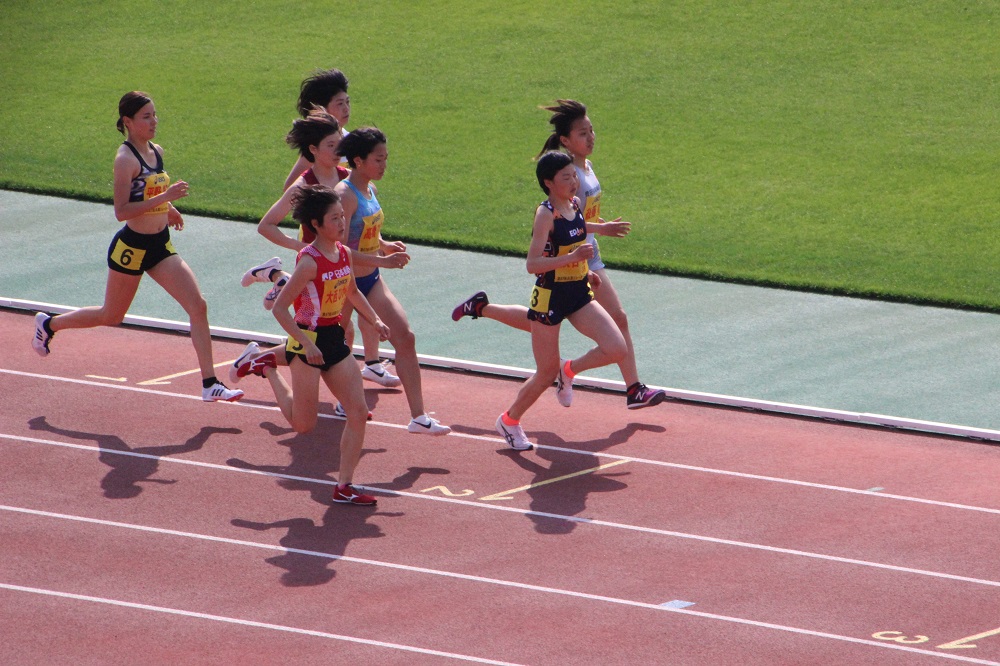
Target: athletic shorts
{"x": 329, "y": 339}
{"x": 595, "y": 263}
{"x": 366, "y": 283}
{"x": 551, "y": 306}
{"x": 133, "y": 253}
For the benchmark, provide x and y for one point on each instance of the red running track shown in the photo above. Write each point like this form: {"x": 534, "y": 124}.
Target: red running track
{"x": 141, "y": 525}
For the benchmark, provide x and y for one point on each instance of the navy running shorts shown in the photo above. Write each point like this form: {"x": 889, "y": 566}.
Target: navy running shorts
{"x": 133, "y": 253}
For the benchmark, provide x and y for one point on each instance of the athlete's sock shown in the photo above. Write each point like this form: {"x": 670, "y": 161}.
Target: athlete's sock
{"x": 270, "y": 276}
{"x": 568, "y": 370}
{"x": 377, "y": 361}
{"x": 208, "y": 381}
{"x": 507, "y": 420}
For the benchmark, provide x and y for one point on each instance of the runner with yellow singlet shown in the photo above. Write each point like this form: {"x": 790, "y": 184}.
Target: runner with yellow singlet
{"x": 367, "y": 153}
{"x": 143, "y": 200}
{"x": 323, "y": 281}
{"x": 574, "y": 133}
{"x": 558, "y": 255}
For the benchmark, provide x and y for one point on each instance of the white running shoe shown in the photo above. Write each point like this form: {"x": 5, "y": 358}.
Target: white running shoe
{"x": 40, "y": 343}
{"x": 564, "y": 386}
{"x": 425, "y": 425}
{"x": 272, "y": 295}
{"x": 251, "y": 350}
{"x": 261, "y": 272}
{"x": 218, "y": 391}
{"x": 516, "y": 439}
{"x": 378, "y": 373}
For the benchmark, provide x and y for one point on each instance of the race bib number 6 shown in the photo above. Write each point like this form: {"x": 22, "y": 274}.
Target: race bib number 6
{"x": 127, "y": 256}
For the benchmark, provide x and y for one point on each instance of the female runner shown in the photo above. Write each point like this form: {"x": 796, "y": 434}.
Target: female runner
{"x": 143, "y": 200}
{"x": 322, "y": 282}
{"x": 366, "y": 151}
{"x": 558, "y": 255}
{"x": 574, "y": 133}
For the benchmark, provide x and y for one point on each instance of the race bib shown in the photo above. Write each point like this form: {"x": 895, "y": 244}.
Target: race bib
{"x": 577, "y": 270}
{"x": 156, "y": 183}
{"x": 127, "y": 256}
{"x": 369, "y": 242}
{"x": 540, "y": 299}
{"x": 293, "y": 345}
{"x": 334, "y": 295}
{"x": 592, "y": 209}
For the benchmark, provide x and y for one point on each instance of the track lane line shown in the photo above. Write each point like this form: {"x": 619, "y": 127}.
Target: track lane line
{"x": 497, "y": 440}
{"x": 249, "y": 623}
{"x": 529, "y": 512}
{"x": 493, "y": 581}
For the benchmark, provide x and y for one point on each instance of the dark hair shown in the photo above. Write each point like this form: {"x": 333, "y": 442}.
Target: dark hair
{"x": 129, "y": 105}
{"x": 564, "y": 113}
{"x": 360, "y": 143}
{"x": 310, "y": 203}
{"x": 549, "y": 164}
{"x": 320, "y": 88}
{"x": 311, "y": 130}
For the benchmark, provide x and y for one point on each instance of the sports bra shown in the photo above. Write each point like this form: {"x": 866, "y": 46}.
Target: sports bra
{"x": 149, "y": 182}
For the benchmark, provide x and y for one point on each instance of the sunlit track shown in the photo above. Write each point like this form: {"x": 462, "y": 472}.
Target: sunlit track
{"x": 528, "y": 512}
{"x": 249, "y": 623}
{"x": 496, "y": 440}
{"x": 485, "y": 580}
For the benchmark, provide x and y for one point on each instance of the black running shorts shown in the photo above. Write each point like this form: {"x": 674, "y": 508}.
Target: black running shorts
{"x": 329, "y": 339}
{"x": 133, "y": 253}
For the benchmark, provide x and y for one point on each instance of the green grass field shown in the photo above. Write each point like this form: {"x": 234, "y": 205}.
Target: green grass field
{"x": 852, "y": 148}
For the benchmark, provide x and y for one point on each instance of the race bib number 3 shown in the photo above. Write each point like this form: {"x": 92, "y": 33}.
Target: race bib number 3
{"x": 540, "y": 299}
{"x": 293, "y": 345}
{"x": 127, "y": 256}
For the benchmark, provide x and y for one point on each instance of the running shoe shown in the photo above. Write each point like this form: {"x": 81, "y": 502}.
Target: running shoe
{"x": 250, "y": 351}
{"x": 261, "y": 272}
{"x": 640, "y": 395}
{"x": 40, "y": 343}
{"x": 425, "y": 425}
{"x": 271, "y": 295}
{"x": 255, "y": 365}
{"x": 347, "y": 494}
{"x": 471, "y": 307}
{"x": 516, "y": 439}
{"x": 564, "y": 385}
{"x": 378, "y": 373}
{"x": 341, "y": 415}
{"x": 218, "y": 391}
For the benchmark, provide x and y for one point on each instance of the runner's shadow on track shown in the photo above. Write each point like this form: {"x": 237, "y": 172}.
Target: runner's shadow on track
{"x": 568, "y": 496}
{"x": 312, "y": 548}
{"x": 315, "y": 456}
{"x": 131, "y": 466}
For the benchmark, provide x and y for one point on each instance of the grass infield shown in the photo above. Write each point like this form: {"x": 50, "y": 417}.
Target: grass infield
{"x": 850, "y": 148}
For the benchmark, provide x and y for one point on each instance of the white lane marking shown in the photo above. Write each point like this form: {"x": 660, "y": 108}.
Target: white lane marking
{"x": 491, "y": 581}
{"x": 249, "y": 623}
{"x": 528, "y": 512}
{"x": 496, "y": 440}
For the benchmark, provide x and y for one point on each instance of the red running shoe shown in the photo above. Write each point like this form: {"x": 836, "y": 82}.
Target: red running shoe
{"x": 348, "y": 495}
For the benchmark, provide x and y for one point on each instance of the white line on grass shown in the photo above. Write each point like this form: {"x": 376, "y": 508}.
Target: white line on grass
{"x": 489, "y": 581}
{"x": 249, "y": 623}
{"x": 527, "y": 512}
{"x": 497, "y": 440}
